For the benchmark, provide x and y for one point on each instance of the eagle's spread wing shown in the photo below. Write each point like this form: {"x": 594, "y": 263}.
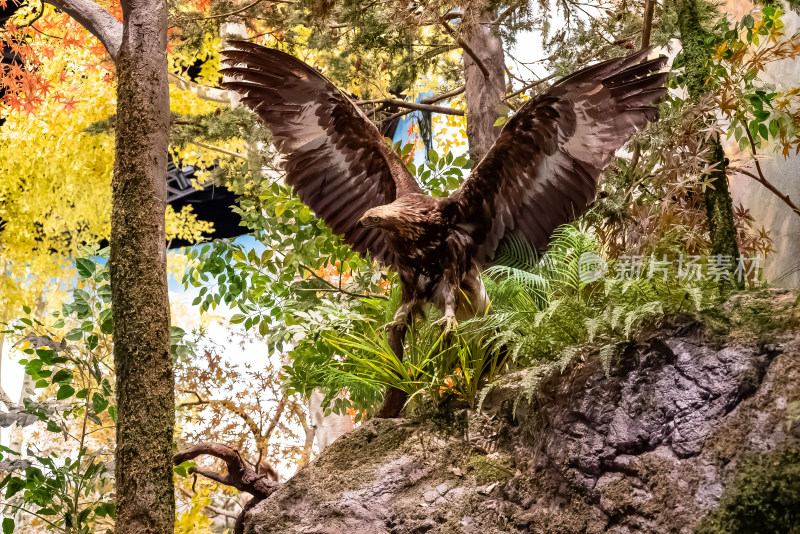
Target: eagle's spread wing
{"x": 543, "y": 169}
{"x": 336, "y": 159}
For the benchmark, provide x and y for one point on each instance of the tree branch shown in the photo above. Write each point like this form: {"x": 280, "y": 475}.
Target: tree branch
{"x": 203, "y": 92}
{"x": 251, "y": 423}
{"x": 240, "y": 10}
{"x": 96, "y": 20}
{"x": 336, "y": 289}
{"x": 443, "y": 96}
{"x": 239, "y": 476}
{"x": 763, "y": 180}
{"x": 219, "y": 149}
{"x": 468, "y": 49}
{"x": 411, "y": 105}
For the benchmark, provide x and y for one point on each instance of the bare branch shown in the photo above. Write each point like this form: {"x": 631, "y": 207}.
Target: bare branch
{"x": 239, "y": 476}
{"x": 96, "y": 20}
{"x": 203, "y": 92}
{"x": 443, "y": 96}
{"x": 413, "y": 106}
{"x": 220, "y": 150}
{"x": 274, "y": 421}
{"x": 763, "y": 180}
{"x": 336, "y": 289}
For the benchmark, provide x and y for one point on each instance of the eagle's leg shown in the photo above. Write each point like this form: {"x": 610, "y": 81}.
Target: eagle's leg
{"x": 403, "y": 314}
{"x": 450, "y": 294}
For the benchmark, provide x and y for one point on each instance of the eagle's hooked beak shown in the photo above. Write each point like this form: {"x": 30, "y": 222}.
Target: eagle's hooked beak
{"x": 368, "y": 222}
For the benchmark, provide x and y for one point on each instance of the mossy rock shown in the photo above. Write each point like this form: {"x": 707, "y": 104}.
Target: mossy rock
{"x": 489, "y": 469}
{"x": 764, "y": 496}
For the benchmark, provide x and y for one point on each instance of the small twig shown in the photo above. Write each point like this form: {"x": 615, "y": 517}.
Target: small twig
{"x": 219, "y": 149}
{"x": 529, "y": 86}
{"x": 468, "y": 49}
{"x": 240, "y": 10}
{"x": 333, "y": 288}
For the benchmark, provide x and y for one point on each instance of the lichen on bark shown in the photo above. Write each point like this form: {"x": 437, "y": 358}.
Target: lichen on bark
{"x": 145, "y": 381}
{"x": 719, "y": 206}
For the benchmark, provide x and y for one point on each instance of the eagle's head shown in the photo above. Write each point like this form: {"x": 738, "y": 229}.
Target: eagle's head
{"x": 405, "y": 216}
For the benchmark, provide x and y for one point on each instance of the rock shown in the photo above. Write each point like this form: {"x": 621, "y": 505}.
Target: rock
{"x": 650, "y": 447}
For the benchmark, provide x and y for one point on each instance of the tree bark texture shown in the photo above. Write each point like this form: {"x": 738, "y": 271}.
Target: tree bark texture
{"x": 145, "y": 381}
{"x": 483, "y": 93}
{"x": 719, "y": 205}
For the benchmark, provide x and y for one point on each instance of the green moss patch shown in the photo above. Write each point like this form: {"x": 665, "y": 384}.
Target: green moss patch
{"x": 764, "y": 496}
{"x": 490, "y": 469}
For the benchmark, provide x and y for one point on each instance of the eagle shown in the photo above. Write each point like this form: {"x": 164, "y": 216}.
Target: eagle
{"x": 541, "y": 172}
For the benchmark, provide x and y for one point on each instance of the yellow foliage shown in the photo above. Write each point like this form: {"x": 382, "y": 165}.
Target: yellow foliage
{"x": 185, "y": 225}
{"x": 192, "y": 518}
{"x": 55, "y": 179}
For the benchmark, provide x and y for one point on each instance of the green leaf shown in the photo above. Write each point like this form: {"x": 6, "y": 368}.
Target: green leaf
{"x": 64, "y": 392}
{"x": 15, "y": 485}
{"x": 774, "y": 128}
{"x": 183, "y": 468}
{"x": 500, "y": 121}
{"x": 63, "y": 375}
{"x": 76, "y": 334}
{"x": 26, "y": 309}
{"x": 112, "y": 412}
{"x": 86, "y": 267}
{"x": 8, "y": 525}
{"x": 99, "y": 403}
{"x": 238, "y": 318}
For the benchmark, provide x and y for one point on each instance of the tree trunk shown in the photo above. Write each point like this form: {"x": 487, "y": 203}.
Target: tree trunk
{"x": 719, "y": 205}
{"x": 145, "y": 380}
{"x": 482, "y": 93}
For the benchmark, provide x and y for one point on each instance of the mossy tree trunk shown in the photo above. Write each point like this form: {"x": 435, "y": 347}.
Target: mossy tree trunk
{"x": 145, "y": 381}
{"x": 719, "y": 205}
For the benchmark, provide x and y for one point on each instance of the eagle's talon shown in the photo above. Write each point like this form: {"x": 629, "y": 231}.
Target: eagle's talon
{"x": 449, "y": 322}
{"x": 394, "y": 324}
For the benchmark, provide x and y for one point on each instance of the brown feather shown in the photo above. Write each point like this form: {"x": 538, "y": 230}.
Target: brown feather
{"x": 336, "y": 160}
{"x": 543, "y": 169}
